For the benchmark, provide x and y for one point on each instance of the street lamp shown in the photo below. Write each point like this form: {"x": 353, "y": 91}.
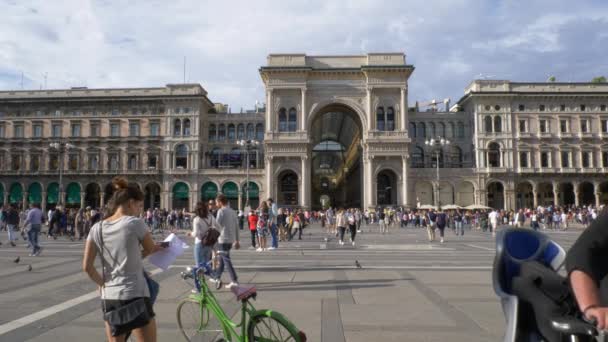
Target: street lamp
{"x": 61, "y": 147}
{"x": 437, "y": 143}
{"x": 248, "y": 145}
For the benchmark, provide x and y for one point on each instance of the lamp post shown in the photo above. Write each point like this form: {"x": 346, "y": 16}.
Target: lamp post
{"x": 61, "y": 147}
{"x": 248, "y": 145}
{"x": 437, "y": 143}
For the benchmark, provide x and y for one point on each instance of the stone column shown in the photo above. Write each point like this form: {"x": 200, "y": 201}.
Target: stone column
{"x": 269, "y": 111}
{"x": 102, "y": 199}
{"x": 577, "y": 195}
{"x": 305, "y": 200}
{"x": 555, "y": 194}
{"x": 24, "y": 200}
{"x": 404, "y": 187}
{"x": 240, "y": 205}
{"x": 367, "y": 180}
{"x": 170, "y": 201}
{"x": 43, "y": 204}
{"x": 370, "y": 114}
{"x": 535, "y": 199}
{"x": 5, "y": 199}
{"x": 82, "y": 194}
{"x": 163, "y": 200}
{"x": 597, "y": 199}
{"x": 269, "y": 175}
{"x": 403, "y": 106}
{"x": 304, "y": 114}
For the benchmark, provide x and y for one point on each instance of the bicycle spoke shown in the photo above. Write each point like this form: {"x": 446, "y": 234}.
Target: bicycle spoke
{"x": 198, "y": 323}
{"x": 271, "y": 330}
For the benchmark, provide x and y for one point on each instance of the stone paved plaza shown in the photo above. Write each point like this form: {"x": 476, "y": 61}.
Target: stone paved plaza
{"x": 407, "y": 290}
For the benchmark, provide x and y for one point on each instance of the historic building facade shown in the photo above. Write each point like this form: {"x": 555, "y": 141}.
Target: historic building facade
{"x": 335, "y": 130}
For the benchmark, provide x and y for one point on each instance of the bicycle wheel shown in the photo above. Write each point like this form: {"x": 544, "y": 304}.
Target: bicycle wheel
{"x": 270, "y": 326}
{"x": 197, "y": 323}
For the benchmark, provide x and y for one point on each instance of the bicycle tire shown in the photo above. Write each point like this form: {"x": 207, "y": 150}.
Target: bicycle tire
{"x": 268, "y": 325}
{"x": 197, "y": 323}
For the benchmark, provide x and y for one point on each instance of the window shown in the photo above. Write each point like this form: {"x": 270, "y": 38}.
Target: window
{"x": 259, "y": 132}
{"x": 93, "y": 162}
{"x": 181, "y": 157}
{"x": 605, "y": 159}
{"x": 604, "y": 126}
{"x": 16, "y": 162}
{"x": 565, "y": 159}
{"x": 56, "y": 130}
{"x": 250, "y": 131}
{"x": 282, "y": 120}
{"x": 417, "y": 157}
{"x": 522, "y": 126}
{"x": 562, "y": 108}
{"x": 488, "y": 124}
{"x": 113, "y": 161}
{"x": 421, "y": 130}
{"x": 212, "y": 132}
{"x": 494, "y": 155}
{"x": 240, "y": 131}
{"x": 487, "y": 107}
{"x": 152, "y": 161}
{"x": 37, "y": 130}
{"x": 584, "y": 126}
{"x": 497, "y": 107}
{"x": 231, "y": 132}
{"x": 412, "y": 129}
{"x": 586, "y": 159}
{"x": 177, "y": 127}
{"x": 543, "y": 126}
{"x": 380, "y": 119}
{"x": 544, "y": 159}
{"x": 563, "y": 126}
{"x": 541, "y": 108}
{"x": 132, "y": 164}
{"x": 154, "y": 128}
{"x": 115, "y": 111}
{"x": 603, "y": 108}
{"x": 73, "y": 162}
{"x": 115, "y": 129}
{"x": 461, "y": 130}
{"x": 390, "y": 119}
{"x": 54, "y": 162}
{"x": 523, "y": 159}
{"x": 522, "y": 107}
{"x": 292, "y": 120}
{"x": 34, "y": 162}
{"x": 583, "y": 107}
{"x": 2, "y": 131}
{"x": 94, "y": 129}
{"x": 75, "y": 129}
{"x": 497, "y": 124}
{"x": 18, "y": 131}
{"x": 221, "y": 136}
{"x": 186, "y": 129}
{"x": 186, "y": 110}
{"x": 134, "y": 129}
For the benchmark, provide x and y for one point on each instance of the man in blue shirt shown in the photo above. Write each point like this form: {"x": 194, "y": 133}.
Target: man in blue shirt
{"x": 272, "y": 223}
{"x": 34, "y": 219}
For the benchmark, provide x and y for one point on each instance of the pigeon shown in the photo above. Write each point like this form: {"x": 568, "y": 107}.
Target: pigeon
{"x": 29, "y": 268}
{"x": 16, "y": 261}
{"x": 358, "y": 264}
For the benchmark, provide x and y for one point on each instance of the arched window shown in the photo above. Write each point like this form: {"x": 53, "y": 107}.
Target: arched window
{"x": 412, "y": 131}
{"x": 390, "y": 119}
{"x": 497, "y": 124}
{"x": 231, "y": 132}
{"x": 432, "y": 130}
{"x": 380, "y": 119}
{"x": 186, "y": 128}
{"x": 488, "y": 124}
{"x": 221, "y": 134}
{"x": 132, "y": 164}
{"x": 456, "y": 157}
{"x": 293, "y": 120}
{"x": 494, "y": 155}
{"x": 460, "y": 130}
{"x": 417, "y": 157}
{"x": 259, "y": 132}
{"x": 450, "y": 130}
{"x": 421, "y": 130}
{"x": 240, "y": 131}
{"x": 250, "y": 131}
{"x": 441, "y": 128}
{"x": 212, "y": 132}
{"x": 177, "y": 127}
{"x": 282, "y": 120}
{"x": 181, "y": 156}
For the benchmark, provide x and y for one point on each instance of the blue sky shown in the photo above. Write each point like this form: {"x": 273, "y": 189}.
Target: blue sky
{"x": 120, "y": 43}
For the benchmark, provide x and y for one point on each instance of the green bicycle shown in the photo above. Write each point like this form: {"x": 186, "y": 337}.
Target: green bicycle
{"x": 201, "y": 318}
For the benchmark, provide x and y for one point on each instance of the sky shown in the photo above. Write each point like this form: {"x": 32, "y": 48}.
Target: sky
{"x": 119, "y": 43}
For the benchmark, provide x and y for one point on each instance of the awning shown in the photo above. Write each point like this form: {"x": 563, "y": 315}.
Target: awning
{"x": 230, "y": 190}
{"x": 181, "y": 191}
{"x": 254, "y": 190}
{"x": 16, "y": 193}
{"x": 73, "y": 193}
{"x": 34, "y": 193}
{"x": 52, "y": 193}
{"x": 209, "y": 191}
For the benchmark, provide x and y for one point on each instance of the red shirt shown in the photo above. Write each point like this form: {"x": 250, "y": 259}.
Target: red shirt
{"x": 253, "y": 221}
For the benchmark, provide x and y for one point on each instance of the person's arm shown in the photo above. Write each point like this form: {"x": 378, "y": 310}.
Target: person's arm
{"x": 237, "y": 244}
{"x": 149, "y": 246}
{"x": 88, "y": 262}
{"x": 195, "y": 229}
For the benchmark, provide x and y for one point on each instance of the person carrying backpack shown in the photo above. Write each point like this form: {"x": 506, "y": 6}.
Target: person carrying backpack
{"x": 431, "y": 217}
{"x": 203, "y": 221}
{"x": 441, "y": 220}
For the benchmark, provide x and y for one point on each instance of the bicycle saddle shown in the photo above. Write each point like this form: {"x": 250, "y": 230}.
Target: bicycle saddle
{"x": 244, "y": 292}
{"x": 573, "y": 326}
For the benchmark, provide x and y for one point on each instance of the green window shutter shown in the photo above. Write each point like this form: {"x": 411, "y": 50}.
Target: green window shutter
{"x": 34, "y": 193}
{"x": 230, "y": 190}
{"x": 73, "y": 193}
{"x": 181, "y": 191}
{"x": 52, "y": 193}
{"x": 16, "y": 194}
{"x": 209, "y": 191}
{"x": 254, "y": 191}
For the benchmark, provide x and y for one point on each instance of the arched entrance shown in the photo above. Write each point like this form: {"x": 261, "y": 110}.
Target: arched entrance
{"x": 34, "y": 193}
{"x": 72, "y": 198}
{"x": 151, "y": 196}
{"x": 335, "y": 135}
{"x": 208, "y": 191}
{"x": 545, "y": 194}
{"x": 603, "y": 190}
{"x": 181, "y": 196}
{"x": 52, "y": 195}
{"x": 254, "y": 195}
{"x": 288, "y": 188}
{"x": 524, "y": 196}
{"x": 424, "y": 193}
{"x": 386, "y": 188}
{"x": 465, "y": 194}
{"x": 91, "y": 195}
{"x": 496, "y": 198}
{"x": 566, "y": 194}
{"x": 446, "y": 193}
{"x": 15, "y": 195}
{"x": 586, "y": 195}
{"x": 108, "y": 192}
{"x": 231, "y": 191}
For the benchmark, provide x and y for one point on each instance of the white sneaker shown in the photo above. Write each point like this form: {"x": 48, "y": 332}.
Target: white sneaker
{"x": 231, "y": 285}
{"x": 259, "y": 249}
{"x": 353, "y": 243}
{"x": 441, "y": 240}
{"x": 271, "y": 248}
{"x": 341, "y": 242}
{"x": 213, "y": 280}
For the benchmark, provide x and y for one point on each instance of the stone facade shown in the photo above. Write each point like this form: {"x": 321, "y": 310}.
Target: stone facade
{"x": 336, "y": 130}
